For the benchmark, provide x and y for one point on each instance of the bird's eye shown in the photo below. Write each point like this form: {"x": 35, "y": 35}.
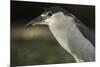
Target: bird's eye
{"x": 50, "y": 13}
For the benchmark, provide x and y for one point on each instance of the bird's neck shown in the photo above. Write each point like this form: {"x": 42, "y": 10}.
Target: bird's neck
{"x": 61, "y": 29}
{"x": 70, "y": 38}
{"x": 67, "y": 34}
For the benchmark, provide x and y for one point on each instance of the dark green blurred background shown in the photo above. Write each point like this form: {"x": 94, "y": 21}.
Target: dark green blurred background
{"x": 36, "y": 45}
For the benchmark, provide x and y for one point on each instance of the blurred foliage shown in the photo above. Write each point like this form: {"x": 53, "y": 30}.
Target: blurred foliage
{"x": 36, "y": 49}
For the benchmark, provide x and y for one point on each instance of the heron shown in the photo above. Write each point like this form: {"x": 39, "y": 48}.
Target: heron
{"x": 69, "y": 32}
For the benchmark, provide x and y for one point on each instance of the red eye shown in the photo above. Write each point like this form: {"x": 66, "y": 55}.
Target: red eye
{"x": 50, "y": 13}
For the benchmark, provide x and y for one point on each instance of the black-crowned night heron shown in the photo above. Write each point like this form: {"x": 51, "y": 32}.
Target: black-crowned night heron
{"x": 70, "y": 33}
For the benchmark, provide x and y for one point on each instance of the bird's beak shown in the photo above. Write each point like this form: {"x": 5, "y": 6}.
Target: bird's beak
{"x": 35, "y": 21}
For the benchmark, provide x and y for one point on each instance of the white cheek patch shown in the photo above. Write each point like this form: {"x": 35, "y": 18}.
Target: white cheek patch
{"x": 43, "y": 15}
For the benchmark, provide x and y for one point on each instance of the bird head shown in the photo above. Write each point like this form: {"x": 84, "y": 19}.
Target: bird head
{"x": 48, "y": 16}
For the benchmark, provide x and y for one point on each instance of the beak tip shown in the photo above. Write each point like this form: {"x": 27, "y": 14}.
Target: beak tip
{"x": 27, "y": 25}
{"x": 33, "y": 22}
